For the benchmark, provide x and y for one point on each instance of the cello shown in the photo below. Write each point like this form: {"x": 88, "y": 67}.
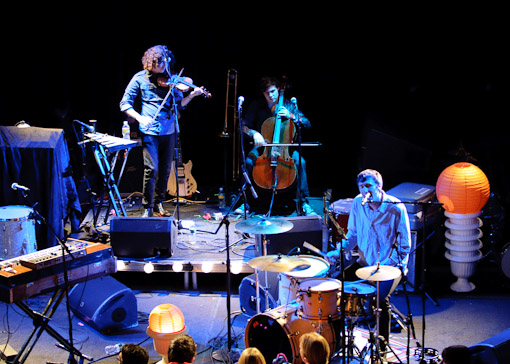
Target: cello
{"x": 275, "y": 169}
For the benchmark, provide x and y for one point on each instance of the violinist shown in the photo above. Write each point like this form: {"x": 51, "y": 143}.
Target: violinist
{"x": 156, "y": 121}
{"x": 257, "y": 113}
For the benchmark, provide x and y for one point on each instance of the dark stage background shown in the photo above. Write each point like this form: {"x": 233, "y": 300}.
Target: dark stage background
{"x": 407, "y": 90}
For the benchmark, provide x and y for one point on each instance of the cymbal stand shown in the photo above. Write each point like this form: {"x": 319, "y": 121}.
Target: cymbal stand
{"x": 257, "y": 282}
{"x": 409, "y": 318}
{"x": 373, "y": 346}
{"x": 341, "y": 233}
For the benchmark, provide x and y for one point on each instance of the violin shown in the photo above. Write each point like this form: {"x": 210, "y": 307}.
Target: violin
{"x": 183, "y": 84}
{"x": 275, "y": 168}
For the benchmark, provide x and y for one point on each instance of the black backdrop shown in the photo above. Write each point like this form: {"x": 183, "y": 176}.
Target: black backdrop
{"x": 381, "y": 85}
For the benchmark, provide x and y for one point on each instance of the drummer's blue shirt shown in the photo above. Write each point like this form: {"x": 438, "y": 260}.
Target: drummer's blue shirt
{"x": 375, "y": 231}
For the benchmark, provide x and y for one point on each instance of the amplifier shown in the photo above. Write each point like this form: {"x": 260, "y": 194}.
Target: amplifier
{"x": 306, "y": 228}
{"x": 142, "y": 237}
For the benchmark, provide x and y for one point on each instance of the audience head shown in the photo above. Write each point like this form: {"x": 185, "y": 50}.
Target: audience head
{"x": 133, "y": 354}
{"x": 182, "y": 349}
{"x": 313, "y": 348}
{"x": 456, "y": 354}
{"x": 251, "y": 356}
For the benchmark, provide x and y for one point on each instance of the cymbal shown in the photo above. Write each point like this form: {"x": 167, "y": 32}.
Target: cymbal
{"x": 378, "y": 273}
{"x": 278, "y": 263}
{"x": 264, "y": 225}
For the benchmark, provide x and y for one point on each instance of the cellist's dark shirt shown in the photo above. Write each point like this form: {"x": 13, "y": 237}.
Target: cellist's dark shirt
{"x": 259, "y": 111}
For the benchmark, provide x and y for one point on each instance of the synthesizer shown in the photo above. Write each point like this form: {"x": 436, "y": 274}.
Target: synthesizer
{"x": 47, "y": 269}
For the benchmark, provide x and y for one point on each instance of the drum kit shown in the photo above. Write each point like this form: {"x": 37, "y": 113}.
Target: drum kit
{"x": 311, "y": 301}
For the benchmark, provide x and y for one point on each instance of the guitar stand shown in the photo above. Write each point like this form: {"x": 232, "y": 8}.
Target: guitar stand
{"x": 41, "y": 323}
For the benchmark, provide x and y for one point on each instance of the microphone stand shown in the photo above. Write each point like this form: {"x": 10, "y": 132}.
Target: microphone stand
{"x": 69, "y": 346}
{"x": 243, "y": 163}
{"x": 424, "y": 294}
{"x": 299, "y": 177}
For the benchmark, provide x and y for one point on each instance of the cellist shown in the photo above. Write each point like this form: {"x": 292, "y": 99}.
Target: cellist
{"x": 257, "y": 113}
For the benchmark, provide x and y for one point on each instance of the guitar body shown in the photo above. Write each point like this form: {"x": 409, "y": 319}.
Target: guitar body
{"x": 187, "y": 184}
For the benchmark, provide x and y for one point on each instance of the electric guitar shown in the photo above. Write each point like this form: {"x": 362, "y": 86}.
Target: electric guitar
{"x": 185, "y": 183}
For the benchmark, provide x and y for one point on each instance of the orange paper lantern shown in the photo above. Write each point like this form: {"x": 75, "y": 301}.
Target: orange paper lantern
{"x": 463, "y": 188}
{"x": 166, "y": 319}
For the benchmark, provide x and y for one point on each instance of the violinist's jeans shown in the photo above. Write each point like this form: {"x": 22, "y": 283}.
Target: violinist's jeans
{"x": 254, "y": 154}
{"x": 158, "y": 153}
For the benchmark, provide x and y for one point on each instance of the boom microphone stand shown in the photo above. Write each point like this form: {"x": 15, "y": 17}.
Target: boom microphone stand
{"x": 423, "y": 284}
{"x": 41, "y": 321}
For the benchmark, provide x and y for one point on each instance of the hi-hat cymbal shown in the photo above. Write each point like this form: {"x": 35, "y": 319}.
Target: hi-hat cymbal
{"x": 264, "y": 225}
{"x": 278, "y": 263}
{"x": 378, "y": 273}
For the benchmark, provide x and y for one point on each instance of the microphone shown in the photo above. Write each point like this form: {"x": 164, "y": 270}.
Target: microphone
{"x": 17, "y": 187}
{"x": 366, "y": 198}
{"x": 90, "y": 128}
{"x": 240, "y": 100}
{"x": 294, "y": 101}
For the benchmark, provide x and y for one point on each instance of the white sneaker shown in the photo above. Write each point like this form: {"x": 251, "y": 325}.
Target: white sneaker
{"x": 161, "y": 211}
{"x": 147, "y": 212}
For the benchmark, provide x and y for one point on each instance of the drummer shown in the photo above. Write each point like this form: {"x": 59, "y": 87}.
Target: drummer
{"x": 379, "y": 226}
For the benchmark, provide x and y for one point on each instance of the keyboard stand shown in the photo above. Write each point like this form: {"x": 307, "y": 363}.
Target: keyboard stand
{"x": 41, "y": 323}
{"x": 109, "y": 183}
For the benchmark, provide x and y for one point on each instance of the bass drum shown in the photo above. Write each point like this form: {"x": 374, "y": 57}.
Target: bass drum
{"x": 278, "y": 331}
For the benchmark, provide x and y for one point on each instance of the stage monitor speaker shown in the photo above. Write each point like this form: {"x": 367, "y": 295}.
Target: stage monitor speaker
{"x": 105, "y": 304}
{"x": 248, "y": 293}
{"x": 306, "y": 228}
{"x": 142, "y": 237}
{"x": 495, "y": 350}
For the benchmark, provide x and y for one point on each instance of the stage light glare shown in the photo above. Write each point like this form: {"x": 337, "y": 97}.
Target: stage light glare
{"x": 235, "y": 267}
{"x": 207, "y": 267}
{"x": 148, "y": 268}
{"x": 177, "y": 267}
{"x": 121, "y": 265}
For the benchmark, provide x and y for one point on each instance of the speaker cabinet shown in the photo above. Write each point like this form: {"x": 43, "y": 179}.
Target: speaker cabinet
{"x": 495, "y": 350}
{"x": 104, "y": 304}
{"x": 248, "y": 293}
{"x": 142, "y": 237}
{"x": 306, "y": 228}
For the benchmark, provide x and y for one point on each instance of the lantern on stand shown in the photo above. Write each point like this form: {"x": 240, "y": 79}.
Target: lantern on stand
{"x": 463, "y": 189}
{"x": 166, "y": 322}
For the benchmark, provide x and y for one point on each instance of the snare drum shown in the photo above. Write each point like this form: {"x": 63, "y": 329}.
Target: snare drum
{"x": 359, "y": 299}
{"x": 319, "y": 298}
{"x": 289, "y": 281}
{"x": 278, "y": 331}
{"x": 17, "y": 231}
